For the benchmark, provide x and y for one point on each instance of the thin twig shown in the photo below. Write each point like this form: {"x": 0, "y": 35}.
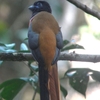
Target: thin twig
{"x": 34, "y": 95}
{"x": 85, "y": 8}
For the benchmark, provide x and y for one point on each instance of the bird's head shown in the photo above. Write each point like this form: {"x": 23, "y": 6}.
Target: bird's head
{"x": 40, "y": 6}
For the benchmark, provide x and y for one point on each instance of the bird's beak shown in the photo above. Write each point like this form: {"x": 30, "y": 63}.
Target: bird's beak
{"x": 31, "y": 7}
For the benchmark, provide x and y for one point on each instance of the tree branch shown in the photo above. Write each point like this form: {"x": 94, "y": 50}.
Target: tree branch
{"x": 63, "y": 56}
{"x": 85, "y": 8}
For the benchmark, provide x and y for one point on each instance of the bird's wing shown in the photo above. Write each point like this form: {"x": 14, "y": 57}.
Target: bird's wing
{"x": 33, "y": 40}
{"x": 59, "y": 43}
{"x": 59, "y": 40}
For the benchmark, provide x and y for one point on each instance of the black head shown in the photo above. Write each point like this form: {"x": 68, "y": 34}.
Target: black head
{"x": 40, "y": 6}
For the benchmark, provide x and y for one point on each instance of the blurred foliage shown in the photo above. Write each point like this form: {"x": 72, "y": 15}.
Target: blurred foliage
{"x": 64, "y": 91}
{"x": 3, "y": 28}
{"x": 4, "y": 37}
{"x": 79, "y": 78}
{"x": 11, "y": 85}
{"x": 10, "y": 88}
{"x": 7, "y": 48}
{"x": 69, "y": 45}
{"x": 13, "y": 18}
{"x": 92, "y": 27}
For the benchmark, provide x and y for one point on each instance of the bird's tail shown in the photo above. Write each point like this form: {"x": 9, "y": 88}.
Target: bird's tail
{"x": 43, "y": 82}
{"x": 49, "y": 83}
{"x": 53, "y": 83}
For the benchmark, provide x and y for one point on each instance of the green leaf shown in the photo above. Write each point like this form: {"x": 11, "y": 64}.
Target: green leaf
{"x": 72, "y": 46}
{"x": 10, "y": 46}
{"x": 33, "y": 80}
{"x": 2, "y": 49}
{"x": 7, "y": 48}
{"x": 26, "y": 39}
{"x": 10, "y": 51}
{"x": 24, "y": 51}
{"x": 9, "y": 89}
{"x": 31, "y": 71}
{"x": 96, "y": 75}
{"x": 25, "y": 79}
{"x": 34, "y": 67}
{"x": 65, "y": 42}
{"x": 64, "y": 91}
{"x": 23, "y": 47}
{"x": 2, "y": 44}
{"x": 78, "y": 78}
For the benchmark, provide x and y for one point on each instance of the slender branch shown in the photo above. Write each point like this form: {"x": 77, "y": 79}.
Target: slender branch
{"x": 80, "y": 57}
{"x": 34, "y": 95}
{"x": 16, "y": 56}
{"x": 85, "y": 8}
{"x": 63, "y": 56}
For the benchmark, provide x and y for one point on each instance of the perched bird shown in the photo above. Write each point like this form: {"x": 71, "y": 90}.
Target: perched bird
{"x": 45, "y": 41}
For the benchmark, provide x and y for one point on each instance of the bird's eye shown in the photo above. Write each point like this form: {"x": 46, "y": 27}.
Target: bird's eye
{"x": 39, "y": 4}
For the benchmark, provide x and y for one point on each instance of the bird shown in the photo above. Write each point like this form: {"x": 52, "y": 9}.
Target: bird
{"x": 45, "y": 42}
